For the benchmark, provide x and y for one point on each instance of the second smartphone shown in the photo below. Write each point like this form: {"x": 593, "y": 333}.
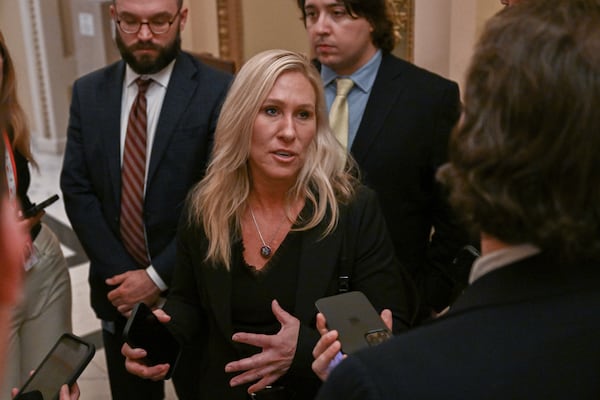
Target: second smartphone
{"x": 143, "y": 330}
{"x": 356, "y": 320}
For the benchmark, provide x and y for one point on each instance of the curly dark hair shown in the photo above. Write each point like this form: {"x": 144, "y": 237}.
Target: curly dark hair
{"x": 524, "y": 164}
{"x": 378, "y": 15}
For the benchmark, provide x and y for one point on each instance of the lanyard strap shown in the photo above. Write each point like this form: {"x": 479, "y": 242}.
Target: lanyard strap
{"x": 11, "y": 167}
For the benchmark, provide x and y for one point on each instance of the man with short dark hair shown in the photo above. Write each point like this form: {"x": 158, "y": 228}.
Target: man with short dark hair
{"x": 398, "y": 121}
{"x": 524, "y": 169}
{"x": 139, "y": 137}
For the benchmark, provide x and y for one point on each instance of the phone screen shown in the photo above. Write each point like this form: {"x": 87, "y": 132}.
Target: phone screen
{"x": 63, "y": 364}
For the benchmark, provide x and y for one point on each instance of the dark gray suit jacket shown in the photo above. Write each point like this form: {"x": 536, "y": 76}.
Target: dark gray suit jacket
{"x": 525, "y": 331}
{"x": 91, "y": 175}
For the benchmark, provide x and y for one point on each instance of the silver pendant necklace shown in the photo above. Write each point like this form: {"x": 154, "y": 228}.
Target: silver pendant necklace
{"x": 265, "y": 250}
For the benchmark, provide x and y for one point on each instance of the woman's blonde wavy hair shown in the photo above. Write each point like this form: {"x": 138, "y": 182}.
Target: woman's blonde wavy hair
{"x": 327, "y": 178}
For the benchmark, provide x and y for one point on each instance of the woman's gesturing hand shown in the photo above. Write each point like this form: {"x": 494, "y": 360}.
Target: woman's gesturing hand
{"x": 276, "y": 357}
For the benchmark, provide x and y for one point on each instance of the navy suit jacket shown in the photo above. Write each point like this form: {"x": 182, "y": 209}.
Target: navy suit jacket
{"x": 200, "y": 299}
{"x": 91, "y": 175}
{"x": 528, "y": 330}
{"x": 401, "y": 141}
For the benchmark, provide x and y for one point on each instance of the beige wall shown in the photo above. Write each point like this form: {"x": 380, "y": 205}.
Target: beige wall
{"x": 44, "y": 72}
{"x": 201, "y": 33}
{"x": 270, "y": 24}
{"x": 267, "y": 24}
{"x": 445, "y": 32}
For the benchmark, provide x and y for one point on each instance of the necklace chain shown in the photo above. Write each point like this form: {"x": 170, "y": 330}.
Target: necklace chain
{"x": 265, "y": 249}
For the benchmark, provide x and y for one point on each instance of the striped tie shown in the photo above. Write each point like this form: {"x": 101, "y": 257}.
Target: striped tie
{"x": 133, "y": 174}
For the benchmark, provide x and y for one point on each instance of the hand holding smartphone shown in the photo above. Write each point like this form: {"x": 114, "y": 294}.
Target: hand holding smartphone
{"x": 143, "y": 330}
{"x": 356, "y": 320}
{"x": 36, "y": 208}
{"x": 62, "y": 365}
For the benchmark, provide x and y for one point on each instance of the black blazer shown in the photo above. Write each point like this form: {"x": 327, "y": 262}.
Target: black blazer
{"x": 91, "y": 174}
{"x": 525, "y": 331}
{"x": 200, "y": 297}
{"x": 401, "y": 141}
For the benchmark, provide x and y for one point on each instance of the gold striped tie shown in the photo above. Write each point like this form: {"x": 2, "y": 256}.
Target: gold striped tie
{"x": 338, "y": 115}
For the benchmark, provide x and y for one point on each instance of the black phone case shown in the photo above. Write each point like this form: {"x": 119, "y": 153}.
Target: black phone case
{"x": 144, "y": 330}
{"x": 356, "y": 320}
{"x": 36, "y": 208}
{"x": 27, "y": 392}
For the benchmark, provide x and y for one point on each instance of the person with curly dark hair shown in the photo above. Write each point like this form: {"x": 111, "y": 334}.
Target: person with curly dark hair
{"x": 524, "y": 170}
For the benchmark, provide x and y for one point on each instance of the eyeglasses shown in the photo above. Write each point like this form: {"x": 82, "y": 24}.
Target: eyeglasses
{"x": 157, "y": 27}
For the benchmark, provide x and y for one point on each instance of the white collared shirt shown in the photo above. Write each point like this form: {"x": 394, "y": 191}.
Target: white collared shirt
{"x": 499, "y": 258}
{"x": 154, "y": 99}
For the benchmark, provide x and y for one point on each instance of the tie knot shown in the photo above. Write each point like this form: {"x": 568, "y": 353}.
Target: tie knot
{"x": 143, "y": 85}
{"x": 343, "y": 86}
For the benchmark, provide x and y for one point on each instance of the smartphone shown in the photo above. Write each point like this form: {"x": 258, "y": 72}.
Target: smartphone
{"x": 143, "y": 330}
{"x": 63, "y": 364}
{"x": 356, "y": 320}
{"x": 36, "y": 208}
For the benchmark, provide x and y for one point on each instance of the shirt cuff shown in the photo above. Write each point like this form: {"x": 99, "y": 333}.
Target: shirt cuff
{"x": 162, "y": 286}
{"x": 336, "y": 360}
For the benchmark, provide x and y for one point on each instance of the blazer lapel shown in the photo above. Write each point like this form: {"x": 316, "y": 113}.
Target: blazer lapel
{"x": 219, "y": 296}
{"x": 387, "y": 83}
{"x": 111, "y": 109}
{"x": 182, "y": 86}
{"x": 318, "y": 264}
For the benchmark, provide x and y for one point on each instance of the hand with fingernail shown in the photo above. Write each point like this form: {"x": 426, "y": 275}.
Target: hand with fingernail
{"x": 275, "y": 358}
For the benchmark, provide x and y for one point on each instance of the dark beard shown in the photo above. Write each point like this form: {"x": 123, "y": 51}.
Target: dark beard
{"x": 147, "y": 65}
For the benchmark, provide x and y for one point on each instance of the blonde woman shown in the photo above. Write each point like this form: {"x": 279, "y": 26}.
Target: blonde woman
{"x": 268, "y": 230}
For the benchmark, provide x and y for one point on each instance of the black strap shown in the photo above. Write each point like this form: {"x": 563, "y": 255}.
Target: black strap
{"x": 346, "y": 259}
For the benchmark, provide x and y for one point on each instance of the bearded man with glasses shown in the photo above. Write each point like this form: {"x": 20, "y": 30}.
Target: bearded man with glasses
{"x": 139, "y": 137}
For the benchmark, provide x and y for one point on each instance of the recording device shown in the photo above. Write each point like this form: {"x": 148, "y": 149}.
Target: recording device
{"x": 36, "y": 208}
{"x": 143, "y": 330}
{"x": 63, "y": 364}
{"x": 356, "y": 320}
